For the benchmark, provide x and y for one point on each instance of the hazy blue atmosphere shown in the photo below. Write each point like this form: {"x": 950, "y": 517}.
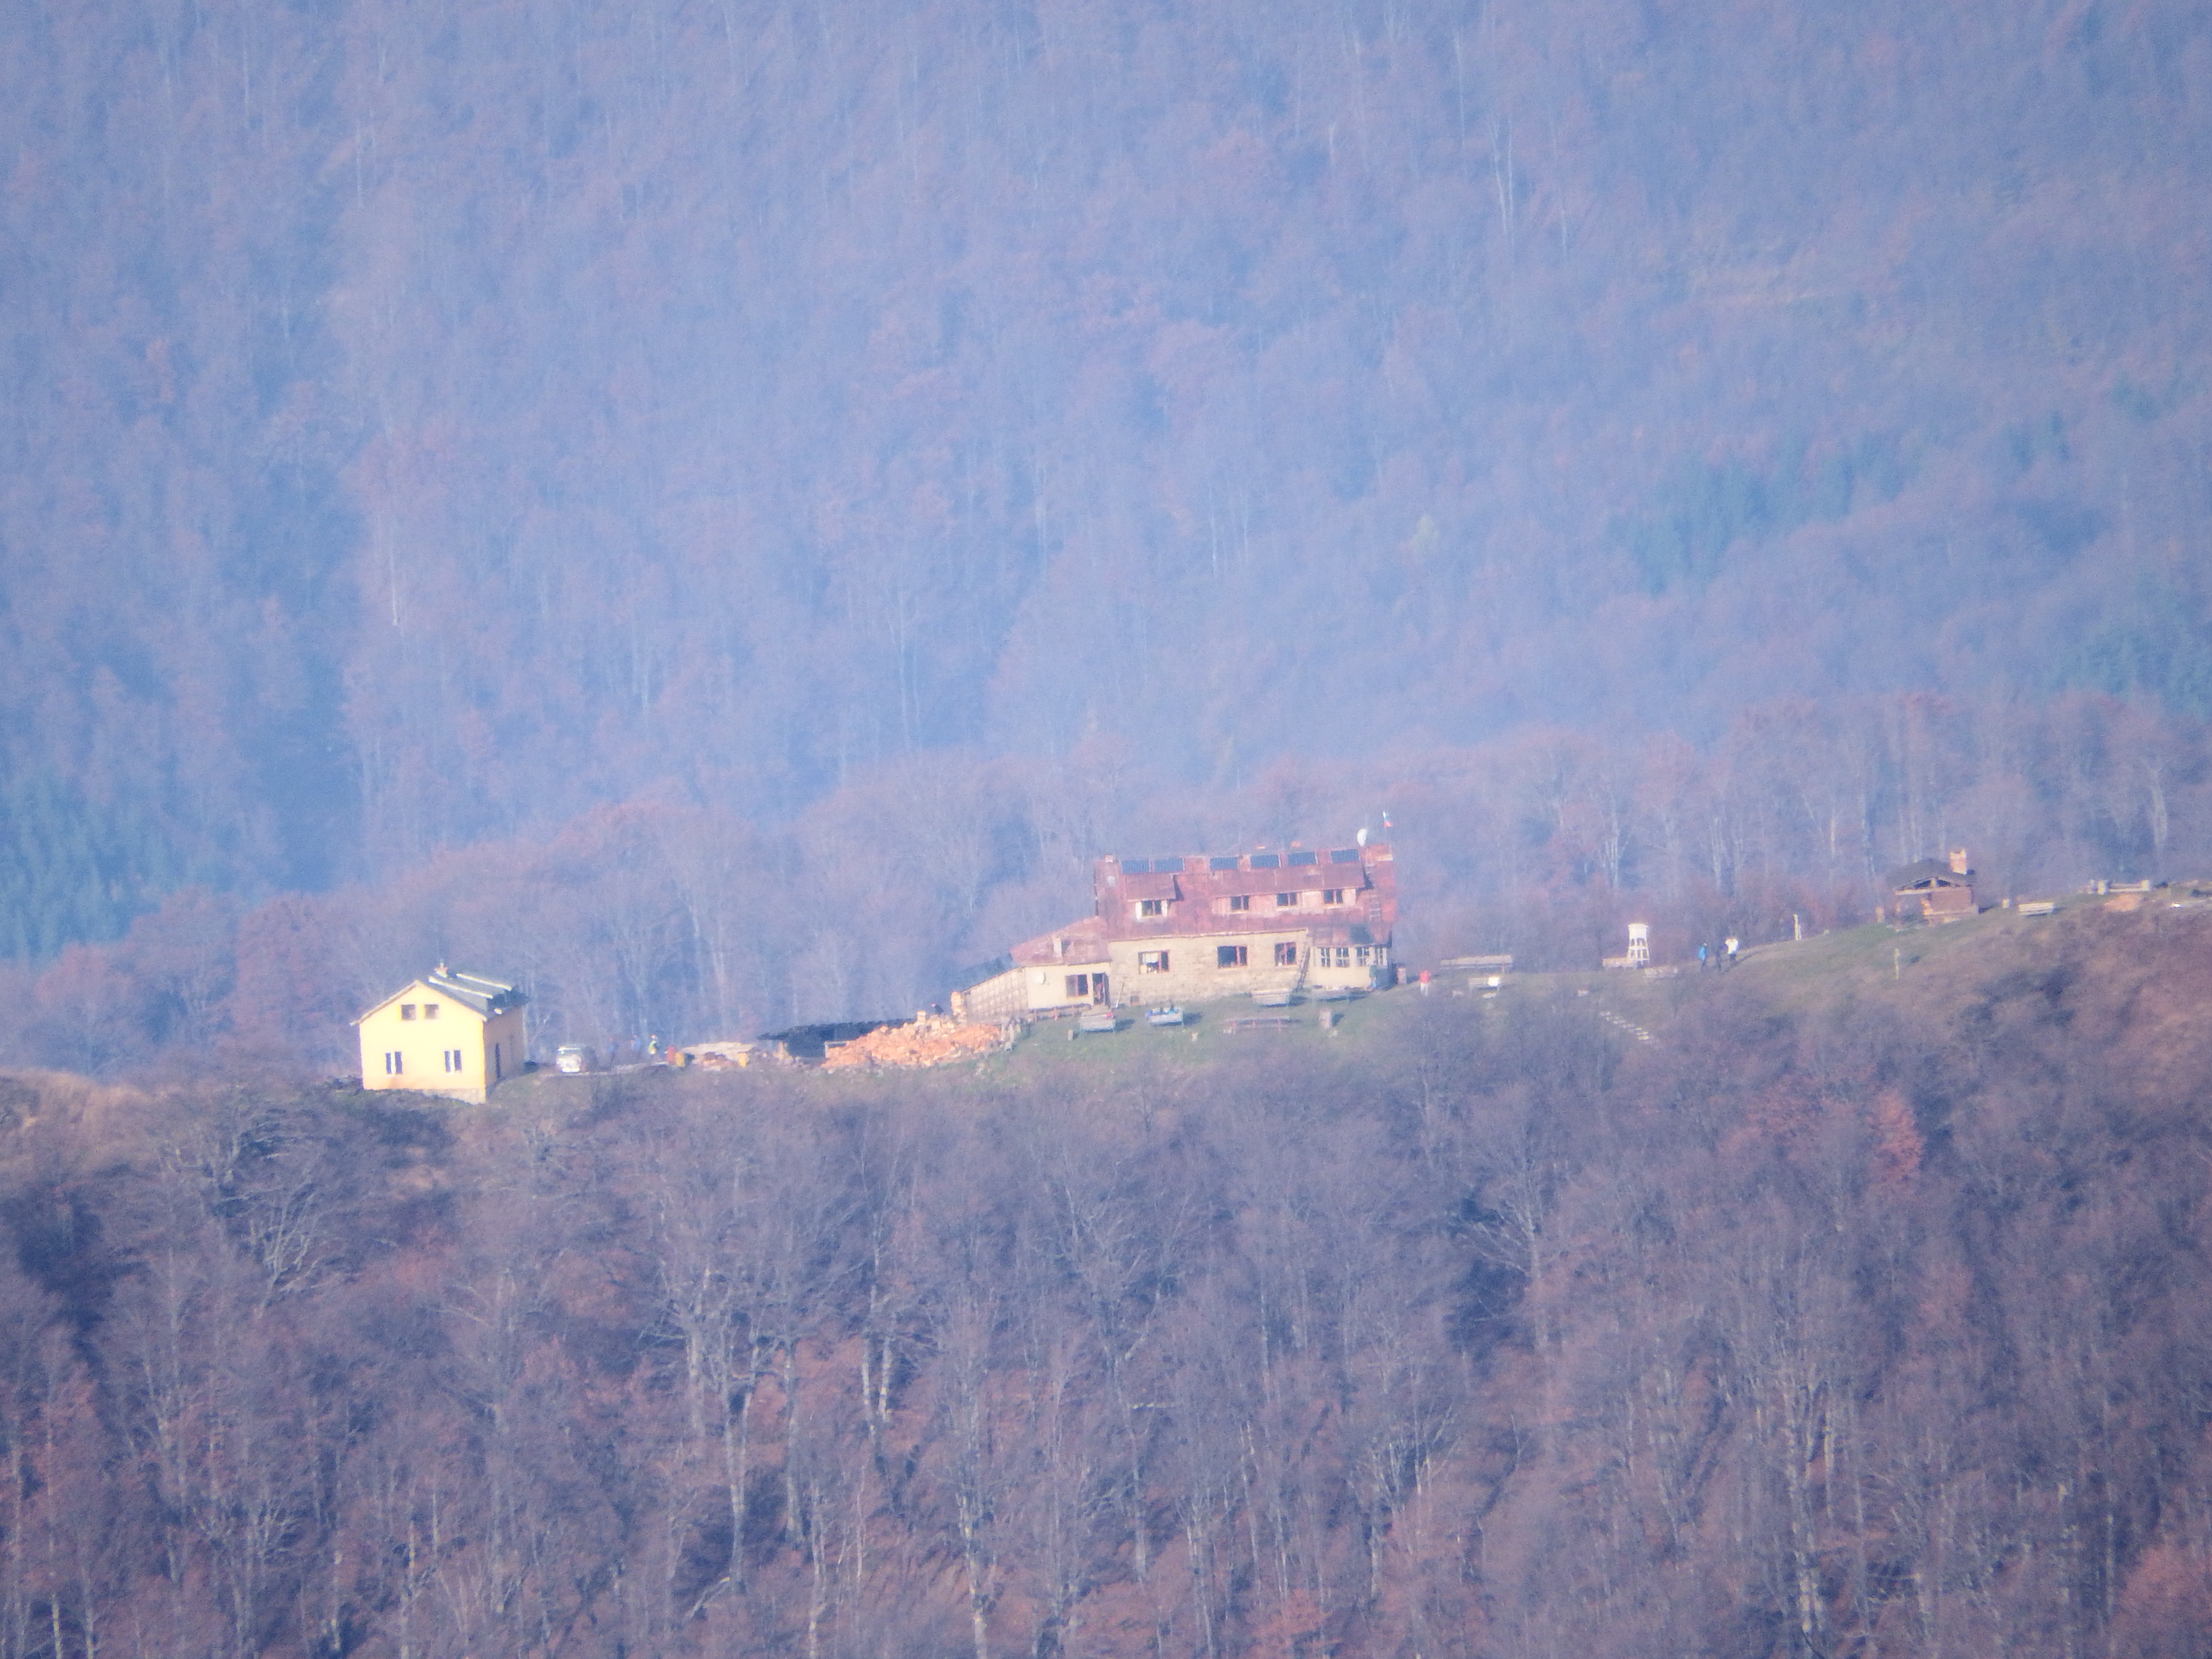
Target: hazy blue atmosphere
{"x": 705, "y": 517}
{"x": 947, "y": 442}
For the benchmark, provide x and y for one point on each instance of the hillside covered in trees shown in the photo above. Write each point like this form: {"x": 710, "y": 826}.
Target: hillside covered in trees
{"x": 1871, "y": 1322}
{"x": 718, "y": 512}
{"x": 931, "y": 439}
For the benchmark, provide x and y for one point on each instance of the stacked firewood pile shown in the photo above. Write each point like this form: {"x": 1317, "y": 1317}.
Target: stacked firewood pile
{"x": 928, "y": 1040}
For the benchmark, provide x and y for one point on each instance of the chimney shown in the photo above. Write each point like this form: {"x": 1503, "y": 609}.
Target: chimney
{"x": 1958, "y": 862}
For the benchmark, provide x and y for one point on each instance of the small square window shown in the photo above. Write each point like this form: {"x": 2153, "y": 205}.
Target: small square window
{"x": 406, "y": 1011}
{"x": 429, "y": 1010}
{"x": 1241, "y": 901}
{"x": 1231, "y": 955}
{"x": 1078, "y": 985}
{"x": 1286, "y": 954}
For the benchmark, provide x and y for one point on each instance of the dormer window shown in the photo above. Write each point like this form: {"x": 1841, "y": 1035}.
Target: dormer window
{"x": 1287, "y": 901}
{"x": 1152, "y": 908}
{"x": 1332, "y": 895}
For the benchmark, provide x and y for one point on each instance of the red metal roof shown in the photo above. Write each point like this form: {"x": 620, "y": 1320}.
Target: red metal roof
{"x": 1368, "y": 883}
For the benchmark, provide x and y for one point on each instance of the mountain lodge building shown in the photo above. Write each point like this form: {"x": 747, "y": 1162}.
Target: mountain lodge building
{"x": 1194, "y": 929}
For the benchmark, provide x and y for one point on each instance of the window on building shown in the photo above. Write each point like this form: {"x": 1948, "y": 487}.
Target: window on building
{"x": 1241, "y": 901}
{"x": 1363, "y": 956}
{"x": 1287, "y": 901}
{"x": 1286, "y": 954}
{"x": 452, "y": 1059}
{"x": 1078, "y": 985}
{"x": 406, "y": 1011}
{"x": 1151, "y": 962}
{"x": 394, "y": 1063}
{"x": 1151, "y": 907}
{"x": 429, "y": 1010}
{"x": 1332, "y": 895}
{"x": 1231, "y": 955}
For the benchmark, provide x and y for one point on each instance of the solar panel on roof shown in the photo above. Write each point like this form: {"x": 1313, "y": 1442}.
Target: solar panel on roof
{"x": 1136, "y": 866}
{"x": 1305, "y": 858}
{"x": 1344, "y": 856}
{"x": 1267, "y": 861}
{"x": 1221, "y": 863}
{"x": 1167, "y": 867}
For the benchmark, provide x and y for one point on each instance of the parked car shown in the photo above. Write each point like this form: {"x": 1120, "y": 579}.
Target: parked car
{"x": 573, "y": 1057}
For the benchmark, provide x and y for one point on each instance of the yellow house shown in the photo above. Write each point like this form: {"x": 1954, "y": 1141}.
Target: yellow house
{"x": 444, "y": 1034}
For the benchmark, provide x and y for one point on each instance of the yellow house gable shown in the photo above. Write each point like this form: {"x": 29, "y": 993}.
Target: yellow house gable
{"x": 447, "y": 1033}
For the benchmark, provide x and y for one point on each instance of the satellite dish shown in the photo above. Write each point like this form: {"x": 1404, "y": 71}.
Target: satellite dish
{"x": 1362, "y": 836}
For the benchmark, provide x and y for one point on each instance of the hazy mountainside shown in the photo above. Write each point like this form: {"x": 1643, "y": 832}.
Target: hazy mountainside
{"x": 429, "y": 427}
{"x": 661, "y": 916}
{"x": 1869, "y": 1323}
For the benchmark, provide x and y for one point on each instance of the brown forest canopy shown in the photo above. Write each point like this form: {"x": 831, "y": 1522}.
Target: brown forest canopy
{"x": 1875, "y": 1328}
{"x": 427, "y": 427}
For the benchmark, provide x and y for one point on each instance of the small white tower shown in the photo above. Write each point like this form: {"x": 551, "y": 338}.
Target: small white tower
{"x": 1639, "y": 944}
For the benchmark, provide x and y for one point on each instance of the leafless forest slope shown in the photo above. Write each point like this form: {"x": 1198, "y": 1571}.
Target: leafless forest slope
{"x": 1876, "y": 1328}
